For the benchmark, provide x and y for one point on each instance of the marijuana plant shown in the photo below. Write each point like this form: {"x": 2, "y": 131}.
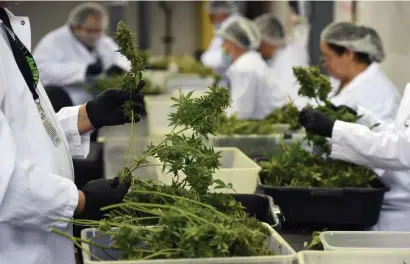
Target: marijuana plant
{"x": 188, "y": 223}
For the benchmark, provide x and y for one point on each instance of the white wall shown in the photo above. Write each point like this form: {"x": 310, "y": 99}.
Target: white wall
{"x": 48, "y": 15}
{"x": 391, "y": 19}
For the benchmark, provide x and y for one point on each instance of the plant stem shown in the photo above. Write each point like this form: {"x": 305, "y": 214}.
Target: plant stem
{"x": 184, "y": 199}
{"x": 130, "y": 141}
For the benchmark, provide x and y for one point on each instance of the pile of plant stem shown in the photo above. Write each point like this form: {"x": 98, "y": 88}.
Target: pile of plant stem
{"x": 189, "y": 65}
{"x": 189, "y": 223}
{"x": 294, "y": 166}
{"x": 234, "y": 126}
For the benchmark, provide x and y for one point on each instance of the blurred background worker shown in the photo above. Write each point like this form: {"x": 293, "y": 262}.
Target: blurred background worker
{"x": 79, "y": 51}
{"x": 220, "y": 13}
{"x": 351, "y": 54}
{"x": 253, "y": 89}
{"x": 385, "y": 147}
{"x": 281, "y": 54}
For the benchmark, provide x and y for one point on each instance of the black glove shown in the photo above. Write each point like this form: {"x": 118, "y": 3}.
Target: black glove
{"x": 107, "y": 108}
{"x": 115, "y": 70}
{"x": 316, "y": 122}
{"x": 101, "y": 193}
{"x": 95, "y": 68}
{"x": 343, "y": 107}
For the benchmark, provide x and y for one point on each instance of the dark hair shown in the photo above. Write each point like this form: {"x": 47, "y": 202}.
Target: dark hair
{"x": 359, "y": 56}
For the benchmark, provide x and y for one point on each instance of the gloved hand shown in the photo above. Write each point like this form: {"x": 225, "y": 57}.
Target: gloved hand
{"x": 101, "y": 193}
{"x": 95, "y": 68}
{"x": 343, "y": 107}
{"x": 115, "y": 70}
{"x": 107, "y": 108}
{"x": 316, "y": 122}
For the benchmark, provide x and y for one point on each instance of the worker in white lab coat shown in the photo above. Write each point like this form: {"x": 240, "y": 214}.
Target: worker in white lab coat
{"x": 254, "y": 90}
{"x": 79, "y": 50}
{"x": 281, "y": 54}
{"x": 384, "y": 148}
{"x": 351, "y": 54}
{"x": 36, "y": 151}
{"x": 220, "y": 13}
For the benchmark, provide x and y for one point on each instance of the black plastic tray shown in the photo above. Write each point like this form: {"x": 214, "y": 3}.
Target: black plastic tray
{"x": 259, "y": 206}
{"x": 358, "y": 207}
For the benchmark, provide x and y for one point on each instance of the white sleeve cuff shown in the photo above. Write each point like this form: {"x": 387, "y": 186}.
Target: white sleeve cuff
{"x": 79, "y": 145}
{"x": 337, "y": 141}
{"x": 68, "y": 210}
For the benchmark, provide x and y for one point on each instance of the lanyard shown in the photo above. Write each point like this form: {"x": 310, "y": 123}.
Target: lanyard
{"x": 22, "y": 55}
{"x": 29, "y": 70}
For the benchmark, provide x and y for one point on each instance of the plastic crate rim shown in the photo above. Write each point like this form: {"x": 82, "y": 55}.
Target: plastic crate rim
{"x": 385, "y": 187}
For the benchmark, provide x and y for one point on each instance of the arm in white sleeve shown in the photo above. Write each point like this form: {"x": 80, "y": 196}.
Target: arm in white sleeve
{"x": 30, "y": 196}
{"x": 242, "y": 96}
{"x": 79, "y": 145}
{"x": 53, "y": 70}
{"x": 213, "y": 56}
{"x": 370, "y": 120}
{"x": 358, "y": 144}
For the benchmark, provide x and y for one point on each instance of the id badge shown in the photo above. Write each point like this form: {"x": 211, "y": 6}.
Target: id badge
{"x": 48, "y": 125}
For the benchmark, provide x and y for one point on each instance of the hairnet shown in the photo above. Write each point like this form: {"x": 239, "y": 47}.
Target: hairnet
{"x": 224, "y": 7}
{"x": 80, "y": 13}
{"x": 355, "y": 38}
{"x": 241, "y": 31}
{"x": 271, "y": 29}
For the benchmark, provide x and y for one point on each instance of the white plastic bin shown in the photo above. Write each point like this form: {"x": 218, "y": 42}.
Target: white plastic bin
{"x": 236, "y": 168}
{"x": 158, "y": 77}
{"x": 284, "y": 253}
{"x": 158, "y": 110}
{"x": 114, "y": 153}
{"x": 365, "y": 240}
{"x": 188, "y": 82}
{"x": 353, "y": 257}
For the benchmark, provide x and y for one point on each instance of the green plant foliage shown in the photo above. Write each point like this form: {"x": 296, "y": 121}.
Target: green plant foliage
{"x": 112, "y": 82}
{"x": 294, "y": 166}
{"x": 286, "y": 115}
{"x": 234, "y": 126}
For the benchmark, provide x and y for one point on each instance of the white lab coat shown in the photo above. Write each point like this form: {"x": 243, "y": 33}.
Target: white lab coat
{"x": 36, "y": 183}
{"x": 372, "y": 90}
{"x": 62, "y": 60}
{"x": 281, "y": 65}
{"x": 254, "y": 91}
{"x": 386, "y": 148}
{"x": 213, "y": 56}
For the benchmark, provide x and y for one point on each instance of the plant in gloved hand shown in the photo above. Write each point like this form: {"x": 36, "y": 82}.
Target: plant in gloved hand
{"x": 188, "y": 223}
{"x": 293, "y": 165}
{"x": 316, "y": 86}
{"x": 112, "y": 82}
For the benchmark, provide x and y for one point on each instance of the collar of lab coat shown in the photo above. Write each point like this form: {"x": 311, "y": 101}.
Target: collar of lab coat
{"x": 21, "y": 27}
{"x": 373, "y": 69}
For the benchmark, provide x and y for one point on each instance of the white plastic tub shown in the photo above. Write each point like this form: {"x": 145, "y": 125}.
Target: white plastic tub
{"x": 353, "y": 257}
{"x": 236, "y": 168}
{"x": 284, "y": 253}
{"x": 114, "y": 153}
{"x": 158, "y": 110}
{"x": 188, "y": 82}
{"x": 365, "y": 240}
